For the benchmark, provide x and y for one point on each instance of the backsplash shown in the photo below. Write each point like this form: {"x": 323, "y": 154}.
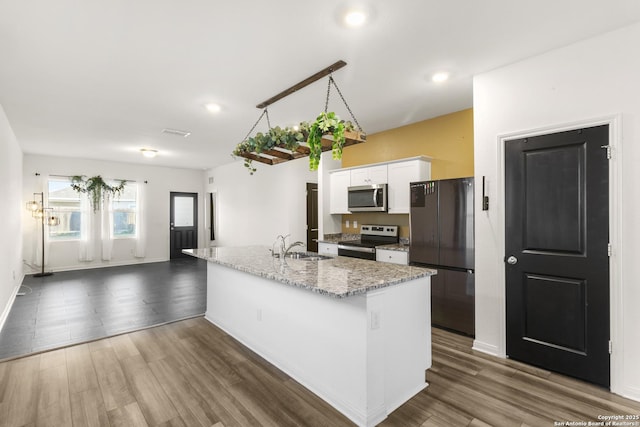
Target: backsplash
{"x": 378, "y": 218}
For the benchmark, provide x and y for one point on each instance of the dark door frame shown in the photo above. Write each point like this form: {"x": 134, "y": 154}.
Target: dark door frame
{"x": 615, "y": 198}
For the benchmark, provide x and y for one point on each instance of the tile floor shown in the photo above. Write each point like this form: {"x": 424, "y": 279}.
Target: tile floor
{"x": 76, "y": 306}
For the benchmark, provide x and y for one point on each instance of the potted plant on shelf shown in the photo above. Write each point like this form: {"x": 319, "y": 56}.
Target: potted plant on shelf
{"x": 96, "y": 188}
{"x": 291, "y": 138}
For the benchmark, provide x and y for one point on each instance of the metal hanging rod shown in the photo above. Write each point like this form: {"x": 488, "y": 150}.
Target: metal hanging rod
{"x": 306, "y": 82}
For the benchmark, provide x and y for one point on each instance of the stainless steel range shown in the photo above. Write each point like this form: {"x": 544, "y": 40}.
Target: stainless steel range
{"x": 370, "y": 237}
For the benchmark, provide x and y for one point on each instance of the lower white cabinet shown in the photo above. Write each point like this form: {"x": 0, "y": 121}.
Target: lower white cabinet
{"x": 394, "y": 257}
{"x": 328, "y": 248}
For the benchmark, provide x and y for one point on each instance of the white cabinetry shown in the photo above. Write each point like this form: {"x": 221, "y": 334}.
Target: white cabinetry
{"x": 328, "y": 248}
{"x": 339, "y": 182}
{"x": 394, "y": 257}
{"x": 400, "y": 174}
{"x": 369, "y": 175}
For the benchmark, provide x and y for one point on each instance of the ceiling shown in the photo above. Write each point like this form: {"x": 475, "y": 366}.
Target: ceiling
{"x": 101, "y": 79}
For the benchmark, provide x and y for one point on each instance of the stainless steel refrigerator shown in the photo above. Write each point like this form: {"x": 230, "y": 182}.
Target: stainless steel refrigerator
{"x": 441, "y": 227}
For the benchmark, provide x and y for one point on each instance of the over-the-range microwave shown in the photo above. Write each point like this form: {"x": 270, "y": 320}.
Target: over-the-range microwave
{"x": 368, "y": 198}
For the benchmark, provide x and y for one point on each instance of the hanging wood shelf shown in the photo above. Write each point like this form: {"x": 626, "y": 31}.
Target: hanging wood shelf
{"x": 261, "y": 148}
{"x": 279, "y": 154}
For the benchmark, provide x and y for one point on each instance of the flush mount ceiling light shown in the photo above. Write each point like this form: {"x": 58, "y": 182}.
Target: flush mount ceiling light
{"x": 355, "y": 18}
{"x": 213, "y": 108}
{"x": 177, "y": 132}
{"x": 440, "y": 77}
{"x": 148, "y": 152}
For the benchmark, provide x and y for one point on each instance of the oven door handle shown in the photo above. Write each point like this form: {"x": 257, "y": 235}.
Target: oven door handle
{"x": 357, "y": 249}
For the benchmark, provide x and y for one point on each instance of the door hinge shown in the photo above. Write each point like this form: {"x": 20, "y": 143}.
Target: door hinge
{"x": 609, "y": 250}
{"x": 608, "y": 148}
{"x": 610, "y": 347}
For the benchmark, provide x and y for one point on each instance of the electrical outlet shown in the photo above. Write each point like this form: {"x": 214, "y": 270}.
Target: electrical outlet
{"x": 355, "y": 224}
{"x": 375, "y": 319}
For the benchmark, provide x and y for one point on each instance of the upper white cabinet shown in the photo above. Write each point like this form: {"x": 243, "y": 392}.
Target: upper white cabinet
{"x": 400, "y": 174}
{"x": 396, "y": 174}
{"x": 339, "y": 182}
{"x": 369, "y": 175}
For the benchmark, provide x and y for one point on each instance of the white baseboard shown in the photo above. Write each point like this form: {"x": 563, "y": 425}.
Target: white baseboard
{"x": 7, "y": 308}
{"x": 104, "y": 264}
{"x": 629, "y": 392}
{"x": 491, "y": 349}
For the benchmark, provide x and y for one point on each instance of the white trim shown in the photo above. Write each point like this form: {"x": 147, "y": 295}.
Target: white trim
{"x": 490, "y": 349}
{"x": 615, "y": 220}
{"x": 7, "y": 308}
{"x": 105, "y": 264}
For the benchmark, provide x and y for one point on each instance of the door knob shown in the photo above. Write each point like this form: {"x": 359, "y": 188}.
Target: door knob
{"x": 512, "y": 260}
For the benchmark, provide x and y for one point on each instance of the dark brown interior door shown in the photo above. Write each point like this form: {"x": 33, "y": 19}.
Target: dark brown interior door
{"x": 312, "y": 217}
{"x": 557, "y": 264}
{"x": 183, "y": 232}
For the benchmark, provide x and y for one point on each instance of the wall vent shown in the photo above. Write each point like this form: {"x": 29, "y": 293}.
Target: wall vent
{"x": 177, "y": 132}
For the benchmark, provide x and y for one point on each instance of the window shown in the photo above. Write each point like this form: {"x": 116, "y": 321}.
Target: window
{"x": 124, "y": 212}
{"x": 65, "y": 203}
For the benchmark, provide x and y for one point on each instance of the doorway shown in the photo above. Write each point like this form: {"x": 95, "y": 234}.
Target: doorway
{"x": 312, "y": 217}
{"x": 557, "y": 252}
{"x": 183, "y": 223}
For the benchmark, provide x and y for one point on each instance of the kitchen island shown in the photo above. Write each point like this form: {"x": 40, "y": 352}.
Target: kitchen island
{"x": 355, "y": 332}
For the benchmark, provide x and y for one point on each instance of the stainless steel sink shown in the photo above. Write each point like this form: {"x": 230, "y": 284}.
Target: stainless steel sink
{"x": 307, "y": 256}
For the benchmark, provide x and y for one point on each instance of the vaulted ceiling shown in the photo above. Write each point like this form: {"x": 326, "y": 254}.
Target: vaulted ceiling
{"x": 101, "y": 79}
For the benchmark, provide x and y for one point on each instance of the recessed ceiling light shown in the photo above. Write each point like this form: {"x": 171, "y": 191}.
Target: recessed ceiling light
{"x": 148, "y": 152}
{"x": 440, "y": 77}
{"x": 355, "y": 18}
{"x": 213, "y": 108}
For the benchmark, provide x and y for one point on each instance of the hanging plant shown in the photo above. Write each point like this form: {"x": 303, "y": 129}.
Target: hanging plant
{"x": 97, "y": 189}
{"x": 326, "y": 123}
{"x": 290, "y": 139}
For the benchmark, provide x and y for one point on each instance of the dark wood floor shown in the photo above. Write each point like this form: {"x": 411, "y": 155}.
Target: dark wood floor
{"x": 190, "y": 373}
{"x": 77, "y": 306}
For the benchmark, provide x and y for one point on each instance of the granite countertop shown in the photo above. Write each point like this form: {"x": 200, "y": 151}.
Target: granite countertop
{"x": 338, "y": 238}
{"x": 403, "y": 246}
{"x": 400, "y": 247}
{"x": 338, "y": 277}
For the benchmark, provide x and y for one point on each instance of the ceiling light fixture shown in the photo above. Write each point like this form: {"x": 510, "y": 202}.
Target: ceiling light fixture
{"x": 147, "y": 152}
{"x": 440, "y": 77}
{"x": 213, "y": 108}
{"x": 355, "y": 18}
{"x": 177, "y": 132}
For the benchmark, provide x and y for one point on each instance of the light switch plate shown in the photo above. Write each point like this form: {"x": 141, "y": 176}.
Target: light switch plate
{"x": 355, "y": 224}
{"x": 346, "y": 223}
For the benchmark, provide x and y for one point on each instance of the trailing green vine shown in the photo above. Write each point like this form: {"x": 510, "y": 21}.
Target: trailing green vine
{"x": 96, "y": 188}
{"x": 290, "y": 138}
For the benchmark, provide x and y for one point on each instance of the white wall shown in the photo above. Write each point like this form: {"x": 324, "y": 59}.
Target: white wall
{"x": 586, "y": 81}
{"x": 161, "y": 181}
{"x": 254, "y": 209}
{"x": 11, "y": 271}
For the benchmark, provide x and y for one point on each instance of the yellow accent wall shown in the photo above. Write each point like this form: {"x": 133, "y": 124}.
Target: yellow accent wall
{"x": 447, "y": 139}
